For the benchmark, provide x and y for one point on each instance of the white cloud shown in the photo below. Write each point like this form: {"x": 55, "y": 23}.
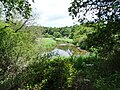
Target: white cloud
{"x": 52, "y": 13}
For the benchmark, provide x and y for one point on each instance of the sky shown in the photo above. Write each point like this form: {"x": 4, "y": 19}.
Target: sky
{"x": 52, "y": 13}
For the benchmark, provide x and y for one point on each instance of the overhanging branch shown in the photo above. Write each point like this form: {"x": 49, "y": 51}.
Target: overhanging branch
{"x": 21, "y": 26}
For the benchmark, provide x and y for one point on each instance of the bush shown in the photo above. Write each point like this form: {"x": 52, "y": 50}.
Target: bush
{"x": 58, "y": 75}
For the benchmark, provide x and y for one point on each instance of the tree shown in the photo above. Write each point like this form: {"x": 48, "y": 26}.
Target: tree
{"x": 106, "y": 40}
{"x": 13, "y": 46}
{"x": 11, "y": 7}
{"x": 57, "y": 35}
{"x": 105, "y": 10}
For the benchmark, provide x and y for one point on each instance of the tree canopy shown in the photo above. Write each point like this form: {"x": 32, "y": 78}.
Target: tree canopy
{"x": 11, "y": 7}
{"x": 105, "y": 10}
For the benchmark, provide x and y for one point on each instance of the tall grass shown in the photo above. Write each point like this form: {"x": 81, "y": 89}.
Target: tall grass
{"x": 46, "y": 43}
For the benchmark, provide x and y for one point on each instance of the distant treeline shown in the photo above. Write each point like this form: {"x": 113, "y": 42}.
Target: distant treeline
{"x": 77, "y": 32}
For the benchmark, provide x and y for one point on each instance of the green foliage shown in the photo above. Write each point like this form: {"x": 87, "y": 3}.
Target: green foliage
{"x": 76, "y": 73}
{"x": 11, "y": 7}
{"x": 105, "y": 39}
{"x": 57, "y": 34}
{"x": 108, "y": 83}
{"x": 58, "y": 75}
{"x": 52, "y": 74}
{"x": 23, "y": 65}
{"x": 79, "y": 34}
{"x": 106, "y": 43}
{"x": 94, "y": 74}
{"x": 16, "y": 51}
{"x": 105, "y": 10}
{"x": 46, "y": 35}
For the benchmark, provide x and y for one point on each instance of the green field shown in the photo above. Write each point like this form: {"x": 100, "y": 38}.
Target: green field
{"x": 50, "y": 42}
{"x": 46, "y": 42}
{"x": 64, "y": 40}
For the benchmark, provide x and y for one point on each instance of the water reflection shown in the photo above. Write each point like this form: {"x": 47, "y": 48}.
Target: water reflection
{"x": 60, "y": 52}
{"x": 67, "y": 50}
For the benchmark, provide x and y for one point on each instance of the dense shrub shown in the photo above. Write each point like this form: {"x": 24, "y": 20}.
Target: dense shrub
{"x": 16, "y": 51}
{"x": 58, "y": 75}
